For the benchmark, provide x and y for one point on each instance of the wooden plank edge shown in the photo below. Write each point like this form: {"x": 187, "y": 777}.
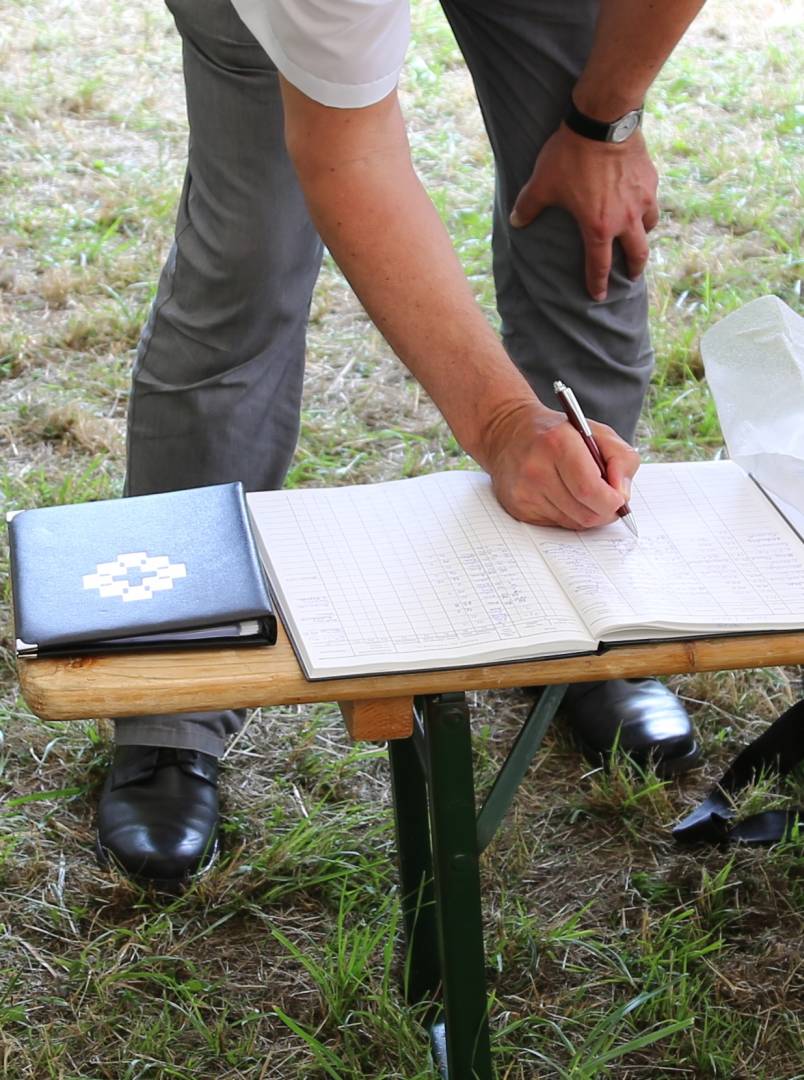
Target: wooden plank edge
{"x": 378, "y": 719}
{"x": 102, "y": 686}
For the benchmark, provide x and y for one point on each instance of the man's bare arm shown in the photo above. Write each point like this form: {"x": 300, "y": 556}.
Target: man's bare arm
{"x": 609, "y": 188}
{"x": 373, "y": 214}
{"x": 633, "y": 39}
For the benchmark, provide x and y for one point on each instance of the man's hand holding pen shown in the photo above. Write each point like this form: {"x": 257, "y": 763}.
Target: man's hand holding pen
{"x": 575, "y": 415}
{"x": 544, "y": 474}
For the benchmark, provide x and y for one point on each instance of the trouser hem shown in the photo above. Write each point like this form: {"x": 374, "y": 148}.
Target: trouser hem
{"x": 180, "y": 735}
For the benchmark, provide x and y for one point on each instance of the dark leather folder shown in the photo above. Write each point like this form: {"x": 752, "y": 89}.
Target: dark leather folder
{"x": 173, "y": 570}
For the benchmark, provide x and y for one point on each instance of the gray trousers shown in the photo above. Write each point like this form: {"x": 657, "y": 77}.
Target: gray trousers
{"x": 217, "y": 380}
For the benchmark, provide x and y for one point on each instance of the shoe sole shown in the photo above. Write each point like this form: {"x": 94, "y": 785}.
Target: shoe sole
{"x": 107, "y": 861}
{"x": 664, "y": 767}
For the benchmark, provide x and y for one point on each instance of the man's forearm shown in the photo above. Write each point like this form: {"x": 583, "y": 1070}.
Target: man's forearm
{"x": 633, "y": 38}
{"x": 371, "y": 211}
{"x": 383, "y": 231}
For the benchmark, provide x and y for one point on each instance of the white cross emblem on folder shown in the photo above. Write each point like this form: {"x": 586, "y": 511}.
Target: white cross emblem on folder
{"x": 135, "y": 576}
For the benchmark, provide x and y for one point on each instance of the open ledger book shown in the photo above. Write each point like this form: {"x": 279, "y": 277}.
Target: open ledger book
{"x": 431, "y": 572}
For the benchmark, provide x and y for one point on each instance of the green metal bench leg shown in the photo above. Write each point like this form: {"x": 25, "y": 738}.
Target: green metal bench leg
{"x": 510, "y": 776}
{"x": 409, "y": 791}
{"x": 431, "y": 775}
{"x": 448, "y": 760}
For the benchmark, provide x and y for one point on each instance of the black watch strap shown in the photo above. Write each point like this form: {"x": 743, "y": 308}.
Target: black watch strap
{"x": 617, "y": 131}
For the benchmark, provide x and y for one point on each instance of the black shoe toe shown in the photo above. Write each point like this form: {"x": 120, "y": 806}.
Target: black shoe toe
{"x": 640, "y": 716}
{"x": 158, "y": 814}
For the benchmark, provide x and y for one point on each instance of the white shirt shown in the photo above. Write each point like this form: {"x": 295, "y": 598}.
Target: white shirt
{"x": 344, "y": 53}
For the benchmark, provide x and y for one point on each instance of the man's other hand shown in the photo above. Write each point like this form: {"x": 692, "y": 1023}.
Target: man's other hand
{"x": 610, "y": 190}
{"x": 543, "y": 473}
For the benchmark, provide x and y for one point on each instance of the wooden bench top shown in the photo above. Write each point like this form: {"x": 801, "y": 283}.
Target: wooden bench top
{"x": 375, "y": 706}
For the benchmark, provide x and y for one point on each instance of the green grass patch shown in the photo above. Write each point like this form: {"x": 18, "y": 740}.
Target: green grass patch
{"x": 611, "y": 952}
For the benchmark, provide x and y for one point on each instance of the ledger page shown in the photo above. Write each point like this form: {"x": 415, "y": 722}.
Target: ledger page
{"x": 414, "y": 574}
{"x": 712, "y": 554}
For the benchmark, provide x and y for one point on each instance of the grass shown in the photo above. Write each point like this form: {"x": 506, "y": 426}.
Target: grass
{"x": 610, "y": 951}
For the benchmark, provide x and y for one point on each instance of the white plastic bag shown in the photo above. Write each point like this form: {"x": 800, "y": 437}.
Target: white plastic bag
{"x": 754, "y": 364}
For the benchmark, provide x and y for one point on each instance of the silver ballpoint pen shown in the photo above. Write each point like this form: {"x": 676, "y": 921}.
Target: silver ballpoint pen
{"x": 574, "y": 413}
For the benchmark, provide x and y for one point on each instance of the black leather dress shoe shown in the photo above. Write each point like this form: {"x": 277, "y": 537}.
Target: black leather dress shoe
{"x": 641, "y": 716}
{"x": 158, "y": 814}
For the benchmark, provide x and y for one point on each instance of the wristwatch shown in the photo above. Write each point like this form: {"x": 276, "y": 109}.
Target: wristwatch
{"x": 617, "y": 131}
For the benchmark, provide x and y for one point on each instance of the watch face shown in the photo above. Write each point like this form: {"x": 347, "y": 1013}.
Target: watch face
{"x": 625, "y": 126}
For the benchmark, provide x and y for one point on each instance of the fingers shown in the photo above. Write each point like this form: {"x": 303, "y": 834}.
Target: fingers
{"x": 622, "y": 460}
{"x": 558, "y": 517}
{"x": 587, "y": 498}
{"x": 597, "y": 246}
{"x": 584, "y": 495}
{"x": 572, "y": 494}
{"x": 619, "y": 471}
{"x": 529, "y": 204}
{"x": 635, "y": 248}
{"x": 555, "y": 504}
{"x": 650, "y": 219}
{"x": 536, "y": 508}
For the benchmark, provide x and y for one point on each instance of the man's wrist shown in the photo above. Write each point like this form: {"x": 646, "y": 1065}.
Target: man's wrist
{"x": 614, "y": 130}
{"x": 500, "y": 420}
{"x": 606, "y": 101}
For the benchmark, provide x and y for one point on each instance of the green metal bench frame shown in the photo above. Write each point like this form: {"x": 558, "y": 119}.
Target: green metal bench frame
{"x": 440, "y": 836}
